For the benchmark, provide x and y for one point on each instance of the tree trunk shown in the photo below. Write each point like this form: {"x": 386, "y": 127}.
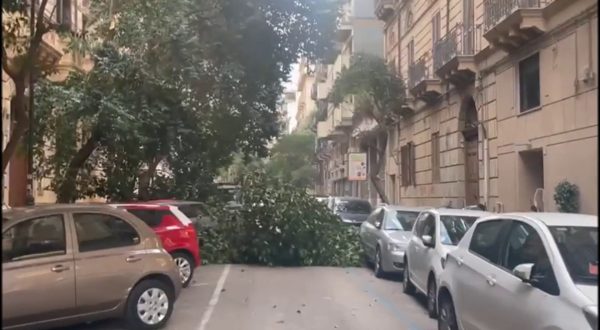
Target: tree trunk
{"x": 376, "y": 168}
{"x": 21, "y": 124}
{"x": 67, "y": 191}
{"x": 144, "y": 180}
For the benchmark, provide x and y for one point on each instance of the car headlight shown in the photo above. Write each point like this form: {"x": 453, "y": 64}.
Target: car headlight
{"x": 591, "y": 315}
{"x": 396, "y": 247}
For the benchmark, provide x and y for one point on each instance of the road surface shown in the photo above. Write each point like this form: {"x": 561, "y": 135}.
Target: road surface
{"x": 242, "y": 297}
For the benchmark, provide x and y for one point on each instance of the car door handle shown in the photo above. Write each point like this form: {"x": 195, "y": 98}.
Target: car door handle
{"x": 59, "y": 268}
{"x": 491, "y": 281}
{"x": 459, "y": 261}
{"x": 133, "y": 259}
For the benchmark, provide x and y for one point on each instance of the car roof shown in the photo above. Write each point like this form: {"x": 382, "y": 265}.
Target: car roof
{"x": 461, "y": 212}
{"x": 552, "y": 219}
{"x": 407, "y": 208}
{"x": 18, "y": 212}
{"x": 352, "y": 199}
{"x": 174, "y": 202}
{"x": 142, "y": 205}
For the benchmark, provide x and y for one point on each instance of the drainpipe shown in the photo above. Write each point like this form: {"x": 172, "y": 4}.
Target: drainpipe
{"x": 486, "y": 162}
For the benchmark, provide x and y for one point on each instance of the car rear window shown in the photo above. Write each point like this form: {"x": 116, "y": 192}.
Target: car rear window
{"x": 353, "y": 206}
{"x": 152, "y": 218}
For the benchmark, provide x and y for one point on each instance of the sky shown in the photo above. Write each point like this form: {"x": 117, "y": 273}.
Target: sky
{"x": 291, "y": 85}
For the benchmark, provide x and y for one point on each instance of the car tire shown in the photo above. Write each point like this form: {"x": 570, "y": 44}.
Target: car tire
{"x": 447, "y": 315}
{"x": 153, "y": 294}
{"x": 407, "y": 286}
{"x": 378, "y": 270}
{"x": 431, "y": 298}
{"x": 185, "y": 265}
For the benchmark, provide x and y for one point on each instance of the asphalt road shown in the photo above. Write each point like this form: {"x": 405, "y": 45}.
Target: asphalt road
{"x": 242, "y": 297}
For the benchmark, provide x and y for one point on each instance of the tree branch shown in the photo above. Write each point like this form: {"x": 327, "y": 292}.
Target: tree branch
{"x": 36, "y": 40}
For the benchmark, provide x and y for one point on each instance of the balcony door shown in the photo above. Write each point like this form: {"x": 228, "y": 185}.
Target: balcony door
{"x": 468, "y": 34}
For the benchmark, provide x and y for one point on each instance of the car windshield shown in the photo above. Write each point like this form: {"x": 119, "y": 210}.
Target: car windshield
{"x": 353, "y": 206}
{"x": 403, "y": 220}
{"x": 454, "y": 227}
{"x": 578, "y": 247}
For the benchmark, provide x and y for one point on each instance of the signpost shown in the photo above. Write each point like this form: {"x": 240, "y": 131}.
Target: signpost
{"x": 357, "y": 166}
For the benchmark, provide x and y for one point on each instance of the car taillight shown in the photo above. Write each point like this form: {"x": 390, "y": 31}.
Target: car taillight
{"x": 189, "y": 232}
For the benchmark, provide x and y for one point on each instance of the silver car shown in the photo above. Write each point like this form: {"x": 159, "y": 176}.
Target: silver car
{"x": 523, "y": 271}
{"x": 385, "y": 236}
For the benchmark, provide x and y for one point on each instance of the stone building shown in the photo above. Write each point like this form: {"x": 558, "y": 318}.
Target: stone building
{"x": 74, "y": 14}
{"x": 503, "y": 101}
{"x": 358, "y": 31}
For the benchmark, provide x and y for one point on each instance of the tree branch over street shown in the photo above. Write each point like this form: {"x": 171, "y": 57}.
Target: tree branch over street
{"x": 377, "y": 92}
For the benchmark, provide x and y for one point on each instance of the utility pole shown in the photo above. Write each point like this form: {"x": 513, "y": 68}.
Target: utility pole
{"x": 30, "y": 200}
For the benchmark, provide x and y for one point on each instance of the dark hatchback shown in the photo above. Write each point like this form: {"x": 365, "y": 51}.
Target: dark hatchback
{"x": 352, "y": 211}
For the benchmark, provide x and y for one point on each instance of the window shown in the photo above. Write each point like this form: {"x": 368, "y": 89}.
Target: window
{"x": 436, "y": 29}
{"x": 529, "y": 82}
{"x": 35, "y": 238}
{"x": 353, "y": 206}
{"x": 524, "y": 246}
{"x": 401, "y": 220}
{"x": 63, "y": 12}
{"x": 435, "y": 157}
{"x": 152, "y": 218}
{"x": 487, "y": 239}
{"x": 410, "y": 52}
{"x": 97, "y": 231}
{"x": 407, "y": 155}
{"x": 578, "y": 247}
{"x": 453, "y": 228}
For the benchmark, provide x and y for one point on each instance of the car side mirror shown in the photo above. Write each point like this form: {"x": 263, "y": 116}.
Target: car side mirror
{"x": 427, "y": 240}
{"x": 523, "y": 271}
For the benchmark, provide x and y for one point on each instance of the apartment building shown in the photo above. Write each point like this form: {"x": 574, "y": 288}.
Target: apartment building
{"x": 51, "y": 53}
{"x": 338, "y": 135}
{"x": 503, "y": 100}
{"x": 305, "y": 105}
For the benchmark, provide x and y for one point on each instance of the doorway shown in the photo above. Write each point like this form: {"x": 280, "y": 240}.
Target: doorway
{"x": 531, "y": 177}
{"x": 470, "y": 130}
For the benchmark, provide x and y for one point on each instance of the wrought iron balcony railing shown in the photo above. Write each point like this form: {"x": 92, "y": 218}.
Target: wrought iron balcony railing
{"x": 417, "y": 72}
{"x": 460, "y": 41}
{"x": 497, "y": 10}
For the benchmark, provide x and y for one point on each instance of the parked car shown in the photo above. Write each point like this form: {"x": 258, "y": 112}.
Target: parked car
{"x": 176, "y": 231}
{"x": 385, "y": 236}
{"x": 523, "y": 271}
{"x": 68, "y": 264}
{"x": 195, "y": 211}
{"x": 436, "y": 232}
{"x": 351, "y": 210}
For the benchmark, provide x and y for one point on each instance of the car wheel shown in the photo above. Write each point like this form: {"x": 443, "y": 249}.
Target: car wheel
{"x": 185, "y": 264}
{"x": 149, "y": 305}
{"x": 447, "y": 317}
{"x": 407, "y": 286}
{"x": 379, "y": 273}
{"x": 431, "y": 300}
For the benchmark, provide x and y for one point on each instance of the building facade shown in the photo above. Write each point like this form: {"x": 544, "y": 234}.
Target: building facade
{"x": 74, "y": 14}
{"x": 338, "y": 134}
{"x": 502, "y": 98}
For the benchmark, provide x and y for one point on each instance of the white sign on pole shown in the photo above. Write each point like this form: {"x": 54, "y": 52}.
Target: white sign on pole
{"x": 357, "y": 166}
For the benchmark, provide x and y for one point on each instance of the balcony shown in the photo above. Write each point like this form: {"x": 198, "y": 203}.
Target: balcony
{"x": 454, "y": 55}
{"x": 342, "y": 116}
{"x": 321, "y": 72}
{"x": 421, "y": 84}
{"x": 509, "y": 24}
{"x": 384, "y": 9}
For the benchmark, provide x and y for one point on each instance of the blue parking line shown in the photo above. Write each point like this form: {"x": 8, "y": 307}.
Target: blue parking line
{"x": 389, "y": 305}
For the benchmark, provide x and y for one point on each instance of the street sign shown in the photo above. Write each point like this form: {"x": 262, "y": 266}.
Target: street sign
{"x": 357, "y": 166}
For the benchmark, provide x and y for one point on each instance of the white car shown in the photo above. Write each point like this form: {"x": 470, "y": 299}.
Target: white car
{"x": 523, "y": 271}
{"x": 436, "y": 232}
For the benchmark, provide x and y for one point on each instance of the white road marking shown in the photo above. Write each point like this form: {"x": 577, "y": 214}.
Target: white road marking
{"x": 214, "y": 299}
{"x": 200, "y": 284}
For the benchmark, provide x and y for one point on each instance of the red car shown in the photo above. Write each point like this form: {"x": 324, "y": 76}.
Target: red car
{"x": 176, "y": 231}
